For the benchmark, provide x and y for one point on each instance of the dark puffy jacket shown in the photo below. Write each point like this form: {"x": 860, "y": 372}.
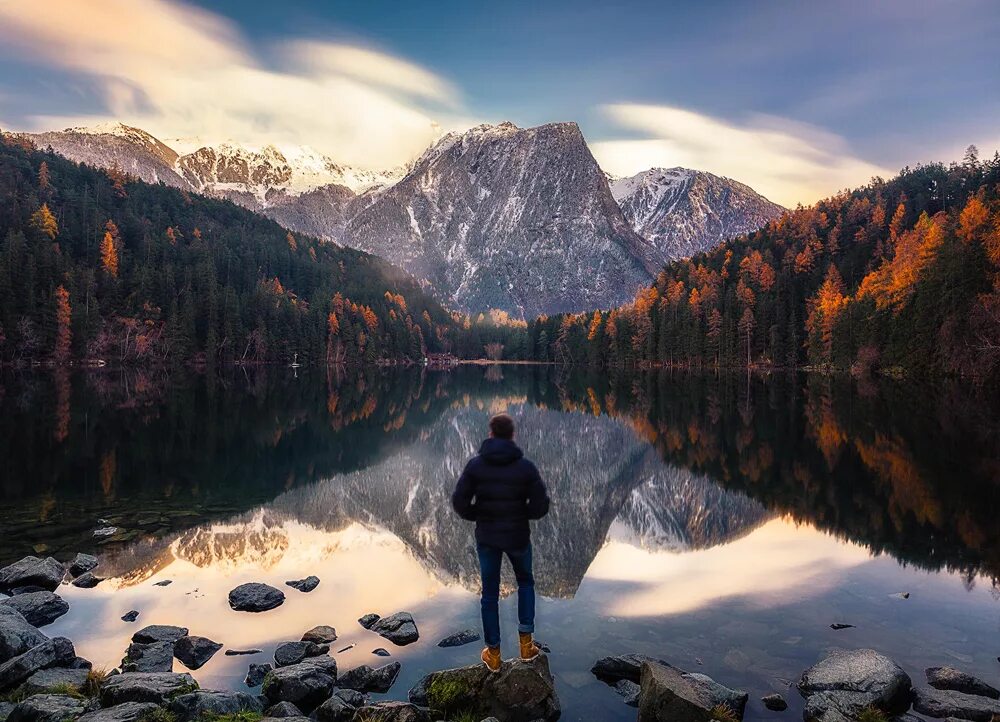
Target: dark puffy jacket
{"x": 501, "y": 491}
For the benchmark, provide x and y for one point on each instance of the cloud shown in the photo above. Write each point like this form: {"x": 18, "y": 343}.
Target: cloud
{"x": 180, "y": 71}
{"x": 786, "y": 161}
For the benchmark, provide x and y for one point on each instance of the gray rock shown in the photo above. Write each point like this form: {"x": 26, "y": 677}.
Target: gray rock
{"x": 351, "y": 696}
{"x": 366, "y": 679}
{"x": 774, "y": 702}
{"x": 38, "y": 608}
{"x": 193, "y": 652}
{"x": 130, "y": 616}
{"x": 381, "y": 652}
{"x": 305, "y": 685}
{"x": 256, "y": 673}
{"x": 255, "y": 597}
{"x": 45, "y": 680}
{"x": 845, "y": 682}
{"x": 210, "y": 703}
{"x": 47, "y": 708}
{"x": 159, "y": 633}
{"x": 953, "y": 679}
{"x": 153, "y": 657}
{"x": 466, "y": 636}
{"x": 837, "y": 626}
{"x": 629, "y": 691}
{"x": 242, "y": 652}
{"x": 622, "y": 666}
{"x": 164, "y": 583}
{"x": 5, "y": 710}
{"x": 288, "y": 653}
{"x": 87, "y": 580}
{"x": 522, "y": 691}
{"x": 669, "y": 693}
{"x": 949, "y": 703}
{"x": 335, "y": 709}
{"x": 398, "y": 628}
{"x": 16, "y": 635}
{"x": 81, "y": 564}
{"x": 283, "y": 709}
{"x": 392, "y": 712}
{"x": 50, "y": 653}
{"x": 156, "y": 687}
{"x": 304, "y": 585}
{"x": 32, "y": 572}
{"x": 368, "y": 620}
{"x": 320, "y": 634}
{"x": 79, "y": 663}
{"x": 128, "y": 712}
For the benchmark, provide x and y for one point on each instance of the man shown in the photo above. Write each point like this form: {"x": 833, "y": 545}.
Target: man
{"x": 501, "y": 491}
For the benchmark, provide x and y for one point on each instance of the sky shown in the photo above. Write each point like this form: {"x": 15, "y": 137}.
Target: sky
{"x": 796, "y": 99}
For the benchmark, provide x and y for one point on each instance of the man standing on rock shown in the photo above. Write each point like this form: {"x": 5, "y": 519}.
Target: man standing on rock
{"x": 502, "y": 491}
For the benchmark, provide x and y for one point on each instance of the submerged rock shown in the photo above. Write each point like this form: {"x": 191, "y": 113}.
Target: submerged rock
{"x": 846, "y": 682}
{"x": 466, "y": 636}
{"x": 163, "y": 583}
{"x": 127, "y": 712}
{"x": 87, "y": 580}
{"x": 44, "y": 573}
{"x": 774, "y": 702}
{"x": 953, "y": 679}
{"x": 256, "y": 673}
{"x": 668, "y": 693}
{"x": 255, "y": 597}
{"x": 48, "y": 708}
{"x": 50, "y": 653}
{"x": 159, "y": 633}
{"x": 289, "y": 653}
{"x": 366, "y": 679}
{"x": 242, "y": 652}
{"x": 38, "y": 608}
{"x": 522, "y": 691}
{"x": 837, "y": 626}
{"x": 398, "y": 628}
{"x": 130, "y": 616}
{"x": 949, "y": 703}
{"x": 156, "y": 687}
{"x": 211, "y": 704}
{"x": 320, "y": 634}
{"x": 381, "y": 652}
{"x": 305, "y": 685}
{"x": 629, "y": 691}
{"x": 16, "y": 635}
{"x": 304, "y": 585}
{"x": 81, "y": 564}
{"x": 622, "y": 666}
{"x": 193, "y": 652}
{"x": 153, "y": 657}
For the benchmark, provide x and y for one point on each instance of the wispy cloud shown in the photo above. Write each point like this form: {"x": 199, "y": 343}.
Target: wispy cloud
{"x": 786, "y": 161}
{"x": 180, "y": 71}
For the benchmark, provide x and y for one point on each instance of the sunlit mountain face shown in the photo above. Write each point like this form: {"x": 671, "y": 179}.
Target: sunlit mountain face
{"x": 721, "y": 523}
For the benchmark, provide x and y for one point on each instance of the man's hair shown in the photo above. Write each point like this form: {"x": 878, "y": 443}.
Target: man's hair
{"x": 502, "y": 426}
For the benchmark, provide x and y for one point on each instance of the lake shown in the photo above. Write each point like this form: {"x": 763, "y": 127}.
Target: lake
{"x": 722, "y": 523}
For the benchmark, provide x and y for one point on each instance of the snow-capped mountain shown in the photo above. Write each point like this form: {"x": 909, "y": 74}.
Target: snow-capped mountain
{"x": 510, "y": 218}
{"x": 682, "y": 212}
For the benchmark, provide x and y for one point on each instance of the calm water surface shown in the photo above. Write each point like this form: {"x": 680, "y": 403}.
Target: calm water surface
{"x": 720, "y": 523}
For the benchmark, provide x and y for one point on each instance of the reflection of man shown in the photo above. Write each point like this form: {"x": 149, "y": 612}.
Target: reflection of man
{"x": 501, "y": 491}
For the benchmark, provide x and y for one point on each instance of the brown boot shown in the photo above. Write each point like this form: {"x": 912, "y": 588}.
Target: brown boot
{"x": 491, "y": 658}
{"x": 529, "y": 648}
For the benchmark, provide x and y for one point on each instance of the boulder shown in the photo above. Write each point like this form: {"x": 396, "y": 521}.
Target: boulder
{"x": 368, "y": 620}
{"x": 629, "y": 691}
{"x": 16, "y": 635}
{"x": 845, "y": 682}
{"x": 289, "y": 653}
{"x": 335, "y": 709}
{"x": 323, "y": 663}
{"x": 128, "y": 712}
{"x": 130, "y": 616}
{"x": 953, "y": 679}
{"x": 255, "y": 597}
{"x": 193, "y": 652}
{"x": 159, "y": 633}
{"x": 153, "y": 657}
{"x": 668, "y": 693}
{"x": 48, "y": 708}
{"x": 5, "y": 710}
{"x": 522, "y": 691}
{"x": 156, "y": 687}
{"x": 81, "y": 564}
{"x": 398, "y": 628}
{"x": 466, "y": 636}
{"x": 366, "y": 679}
{"x": 351, "y": 696}
{"x": 50, "y": 653}
{"x": 622, "y": 666}
{"x": 87, "y": 580}
{"x": 45, "y": 574}
{"x": 392, "y": 712}
{"x": 774, "y": 702}
{"x": 256, "y": 673}
{"x": 38, "y": 608}
{"x": 304, "y": 585}
{"x": 79, "y": 663}
{"x": 212, "y": 704}
{"x": 949, "y": 703}
{"x": 305, "y": 685}
{"x": 46, "y": 680}
{"x": 320, "y": 634}
{"x": 283, "y": 709}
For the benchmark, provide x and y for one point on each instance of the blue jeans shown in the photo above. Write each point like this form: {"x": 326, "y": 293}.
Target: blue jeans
{"x": 490, "y": 559}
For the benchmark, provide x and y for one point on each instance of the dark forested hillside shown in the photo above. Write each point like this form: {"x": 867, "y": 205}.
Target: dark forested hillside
{"x": 899, "y": 276}
{"x": 97, "y": 265}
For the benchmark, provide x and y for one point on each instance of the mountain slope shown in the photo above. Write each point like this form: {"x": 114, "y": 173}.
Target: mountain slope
{"x": 509, "y": 218}
{"x": 682, "y": 212}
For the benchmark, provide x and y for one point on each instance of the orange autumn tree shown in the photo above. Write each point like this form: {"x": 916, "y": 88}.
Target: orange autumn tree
{"x": 44, "y": 222}
{"x": 892, "y": 283}
{"x": 109, "y": 255}
{"x": 824, "y": 310}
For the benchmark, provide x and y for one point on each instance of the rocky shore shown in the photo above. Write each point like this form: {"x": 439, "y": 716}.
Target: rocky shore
{"x": 42, "y": 679}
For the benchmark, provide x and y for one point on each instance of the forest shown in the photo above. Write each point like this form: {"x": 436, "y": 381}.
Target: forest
{"x": 96, "y": 266}
{"x": 898, "y": 277}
